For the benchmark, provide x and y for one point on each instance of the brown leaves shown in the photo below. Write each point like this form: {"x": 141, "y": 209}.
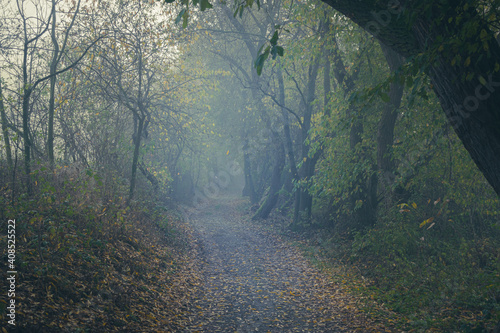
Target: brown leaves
{"x": 254, "y": 280}
{"x": 134, "y": 279}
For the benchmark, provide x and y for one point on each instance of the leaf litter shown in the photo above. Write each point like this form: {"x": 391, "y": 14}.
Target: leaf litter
{"x": 254, "y": 281}
{"x": 221, "y": 274}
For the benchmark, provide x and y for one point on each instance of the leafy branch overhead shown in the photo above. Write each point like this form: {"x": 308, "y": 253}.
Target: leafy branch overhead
{"x": 274, "y": 49}
{"x": 138, "y": 121}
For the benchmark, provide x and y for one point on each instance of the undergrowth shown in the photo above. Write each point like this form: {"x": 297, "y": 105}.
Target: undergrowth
{"x": 87, "y": 262}
{"x": 442, "y": 276}
{"x": 434, "y": 277}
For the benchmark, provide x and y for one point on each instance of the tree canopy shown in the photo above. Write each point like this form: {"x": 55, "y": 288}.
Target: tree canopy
{"x": 370, "y": 128}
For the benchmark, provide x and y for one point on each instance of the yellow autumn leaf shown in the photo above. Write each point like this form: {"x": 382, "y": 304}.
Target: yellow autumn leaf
{"x": 429, "y": 220}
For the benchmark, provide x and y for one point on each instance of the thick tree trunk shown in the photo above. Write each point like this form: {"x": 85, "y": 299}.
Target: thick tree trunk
{"x": 472, "y": 109}
{"x": 467, "y": 83}
{"x": 289, "y": 145}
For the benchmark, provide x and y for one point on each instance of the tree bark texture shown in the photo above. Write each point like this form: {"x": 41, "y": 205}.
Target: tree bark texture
{"x": 462, "y": 59}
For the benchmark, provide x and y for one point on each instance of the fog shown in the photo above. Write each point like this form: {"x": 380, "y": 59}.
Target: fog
{"x": 247, "y": 166}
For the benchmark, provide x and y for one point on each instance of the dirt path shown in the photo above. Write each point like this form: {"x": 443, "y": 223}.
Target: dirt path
{"x": 255, "y": 282}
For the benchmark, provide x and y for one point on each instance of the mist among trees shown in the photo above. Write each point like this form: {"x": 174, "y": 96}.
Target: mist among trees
{"x": 145, "y": 143}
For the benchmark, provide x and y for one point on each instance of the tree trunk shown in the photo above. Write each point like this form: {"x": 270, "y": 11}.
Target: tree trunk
{"x": 286, "y": 127}
{"x": 466, "y": 83}
{"x": 271, "y": 200}
{"x": 249, "y": 189}
{"x": 303, "y": 203}
{"x": 149, "y": 176}
{"x": 472, "y": 109}
{"x": 385, "y": 133}
{"x": 135, "y": 159}
{"x": 289, "y": 144}
{"x": 5, "y": 131}
{"x": 26, "y": 139}
{"x": 53, "y": 78}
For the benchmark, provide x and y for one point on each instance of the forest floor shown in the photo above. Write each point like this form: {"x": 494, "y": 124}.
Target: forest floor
{"x": 253, "y": 280}
{"x": 148, "y": 271}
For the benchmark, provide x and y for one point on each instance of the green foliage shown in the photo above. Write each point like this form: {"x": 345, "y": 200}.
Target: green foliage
{"x": 432, "y": 253}
{"x": 429, "y": 274}
{"x": 274, "y": 49}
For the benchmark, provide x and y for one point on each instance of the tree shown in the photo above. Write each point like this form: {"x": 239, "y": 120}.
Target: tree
{"x": 137, "y": 76}
{"x": 29, "y": 36}
{"x": 238, "y": 54}
{"x": 454, "y": 43}
{"x": 127, "y": 68}
{"x": 457, "y": 48}
{"x": 57, "y": 54}
{"x": 5, "y": 130}
{"x": 385, "y": 132}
